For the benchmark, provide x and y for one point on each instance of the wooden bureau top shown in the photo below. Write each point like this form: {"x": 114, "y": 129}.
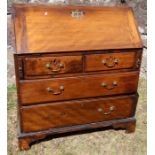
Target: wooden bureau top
{"x": 53, "y": 28}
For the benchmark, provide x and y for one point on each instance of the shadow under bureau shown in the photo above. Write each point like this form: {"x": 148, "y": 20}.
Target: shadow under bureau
{"x": 77, "y": 68}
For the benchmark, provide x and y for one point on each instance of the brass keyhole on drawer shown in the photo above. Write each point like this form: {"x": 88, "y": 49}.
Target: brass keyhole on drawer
{"x": 82, "y": 105}
{"x": 50, "y": 90}
{"x": 114, "y": 84}
{"x": 63, "y": 114}
{"x": 111, "y": 109}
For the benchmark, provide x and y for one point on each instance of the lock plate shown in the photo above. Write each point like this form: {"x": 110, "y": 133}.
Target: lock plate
{"x": 77, "y": 13}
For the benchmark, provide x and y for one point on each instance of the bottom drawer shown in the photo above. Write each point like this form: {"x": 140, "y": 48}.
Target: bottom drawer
{"x": 48, "y": 116}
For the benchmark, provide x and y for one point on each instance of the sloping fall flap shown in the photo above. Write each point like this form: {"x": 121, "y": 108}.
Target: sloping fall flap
{"x": 48, "y": 28}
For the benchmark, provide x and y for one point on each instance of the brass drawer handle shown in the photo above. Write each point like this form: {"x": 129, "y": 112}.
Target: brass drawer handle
{"x": 59, "y": 67}
{"x": 50, "y": 90}
{"x": 55, "y": 65}
{"x": 111, "y": 109}
{"x": 114, "y": 84}
{"x": 110, "y": 62}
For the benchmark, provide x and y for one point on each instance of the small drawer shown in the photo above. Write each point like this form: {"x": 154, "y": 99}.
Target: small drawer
{"x": 61, "y": 114}
{"x": 99, "y": 62}
{"x": 56, "y": 89}
{"x": 40, "y": 66}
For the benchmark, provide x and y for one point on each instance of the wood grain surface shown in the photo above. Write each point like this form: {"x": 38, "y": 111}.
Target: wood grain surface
{"x": 52, "y": 65}
{"x": 98, "y": 28}
{"x": 46, "y": 116}
{"x": 33, "y": 92}
{"x": 77, "y": 68}
{"x": 109, "y": 61}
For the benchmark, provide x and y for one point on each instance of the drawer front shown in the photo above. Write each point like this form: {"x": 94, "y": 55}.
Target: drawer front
{"x": 42, "y": 117}
{"x": 98, "y": 62}
{"x": 40, "y": 66}
{"x": 32, "y": 92}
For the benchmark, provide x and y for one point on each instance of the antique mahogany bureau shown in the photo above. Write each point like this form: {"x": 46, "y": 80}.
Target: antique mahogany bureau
{"x": 77, "y": 68}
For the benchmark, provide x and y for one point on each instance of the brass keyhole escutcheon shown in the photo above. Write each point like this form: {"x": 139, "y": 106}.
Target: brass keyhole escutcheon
{"x": 77, "y": 13}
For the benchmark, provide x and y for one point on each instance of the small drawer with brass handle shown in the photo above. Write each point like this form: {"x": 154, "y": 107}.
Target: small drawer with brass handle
{"x": 51, "y": 90}
{"x": 99, "y": 62}
{"x": 109, "y": 87}
{"x": 43, "y": 66}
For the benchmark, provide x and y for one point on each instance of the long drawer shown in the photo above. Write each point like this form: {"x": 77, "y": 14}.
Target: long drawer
{"x": 37, "y": 91}
{"x": 46, "y": 116}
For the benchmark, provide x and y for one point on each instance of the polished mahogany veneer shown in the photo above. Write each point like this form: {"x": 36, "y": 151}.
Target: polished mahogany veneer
{"x": 69, "y": 113}
{"x": 52, "y": 65}
{"x": 77, "y": 68}
{"x": 77, "y": 87}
